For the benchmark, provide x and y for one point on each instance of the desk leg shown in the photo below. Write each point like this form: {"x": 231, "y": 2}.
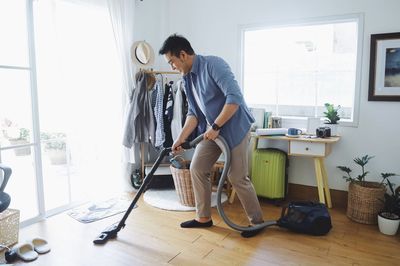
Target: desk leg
{"x": 232, "y": 196}
{"x": 325, "y": 182}
{"x": 320, "y": 182}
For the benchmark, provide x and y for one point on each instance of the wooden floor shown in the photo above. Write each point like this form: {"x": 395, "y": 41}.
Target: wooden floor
{"x": 153, "y": 237}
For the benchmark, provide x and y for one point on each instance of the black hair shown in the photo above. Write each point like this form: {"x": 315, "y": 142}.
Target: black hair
{"x": 174, "y": 44}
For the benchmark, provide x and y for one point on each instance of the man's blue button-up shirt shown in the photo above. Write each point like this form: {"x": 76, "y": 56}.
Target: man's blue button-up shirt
{"x": 216, "y": 86}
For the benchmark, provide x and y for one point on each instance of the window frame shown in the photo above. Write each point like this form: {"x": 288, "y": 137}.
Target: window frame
{"x": 358, "y": 17}
{"x": 34, "y": 143}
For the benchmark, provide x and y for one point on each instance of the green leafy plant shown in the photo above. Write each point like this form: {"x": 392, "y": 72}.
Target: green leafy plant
{"x": 331, "y": 114}
{"x": 22, "y": 134}
{"x": 361, "y": 161}
{"x": 391, "y": 200}
{"x": 53, "y": 140}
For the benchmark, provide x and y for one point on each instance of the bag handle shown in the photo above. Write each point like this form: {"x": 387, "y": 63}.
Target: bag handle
{"x": 284, "y": 208}
{"x": 308, "y": 203}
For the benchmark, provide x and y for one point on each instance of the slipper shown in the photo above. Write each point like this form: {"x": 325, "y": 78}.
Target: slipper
{"x": 26, "y": 253}
{"x": 40, "y": 245}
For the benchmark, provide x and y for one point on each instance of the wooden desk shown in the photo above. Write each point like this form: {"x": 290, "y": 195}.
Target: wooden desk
{"x": 316, "y": 148}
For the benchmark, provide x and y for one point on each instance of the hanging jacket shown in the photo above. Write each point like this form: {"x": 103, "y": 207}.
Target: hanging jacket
{"x": 159, "y": 115}
{"x": 139, "y": 125}
{"x": 168, "y": 112}
{"x": 178, "y": 112}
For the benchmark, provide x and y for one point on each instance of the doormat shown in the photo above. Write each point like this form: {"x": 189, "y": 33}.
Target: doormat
{"x": 95, "y": 211}
{"x": 167, "y": 199}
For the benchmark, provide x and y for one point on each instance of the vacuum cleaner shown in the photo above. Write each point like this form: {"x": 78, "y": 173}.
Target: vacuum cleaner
{"x": 112, "y": 231}
{"x": 303, "y": 217}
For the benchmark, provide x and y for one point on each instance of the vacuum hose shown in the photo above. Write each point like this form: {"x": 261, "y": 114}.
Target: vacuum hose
{"x": 221, "y": 142}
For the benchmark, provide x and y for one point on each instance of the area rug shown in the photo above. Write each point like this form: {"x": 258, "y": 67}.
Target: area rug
{"x": 95, "y": 211}
{"x": 167, "y": 199}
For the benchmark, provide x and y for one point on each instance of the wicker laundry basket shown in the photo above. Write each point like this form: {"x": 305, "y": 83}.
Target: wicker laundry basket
{"x": 364, "y": 202}
{"x": 183, "y": 186}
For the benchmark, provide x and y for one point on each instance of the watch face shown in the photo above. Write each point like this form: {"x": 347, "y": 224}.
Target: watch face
{"x": 215, "y": 127}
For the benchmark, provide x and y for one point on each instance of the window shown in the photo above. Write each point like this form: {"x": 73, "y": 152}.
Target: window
{"x": 293, "y": 70}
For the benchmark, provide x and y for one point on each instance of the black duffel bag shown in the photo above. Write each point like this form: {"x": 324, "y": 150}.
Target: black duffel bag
{"x": 306, "y": 217}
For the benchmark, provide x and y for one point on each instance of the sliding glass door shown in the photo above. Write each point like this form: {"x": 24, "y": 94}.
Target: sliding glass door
{"x": 18, "y": 117}
{"x": 60, "y": 104}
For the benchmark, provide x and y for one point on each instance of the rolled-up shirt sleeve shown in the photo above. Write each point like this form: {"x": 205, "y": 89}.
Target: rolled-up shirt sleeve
{"x": 223, "y": 76}
{"x": 190, "y": 111}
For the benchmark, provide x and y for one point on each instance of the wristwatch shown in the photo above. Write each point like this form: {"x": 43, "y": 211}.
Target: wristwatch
{"x": 215, "y": 127}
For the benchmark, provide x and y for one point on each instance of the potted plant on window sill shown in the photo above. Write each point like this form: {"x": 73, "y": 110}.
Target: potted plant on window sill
{"x": 365, "y": 199}
{"x": 55, "y": 147}
{"x": 21, "y": 139}
{"x": 332, "y": 117}
{"x": 389, "y": 217}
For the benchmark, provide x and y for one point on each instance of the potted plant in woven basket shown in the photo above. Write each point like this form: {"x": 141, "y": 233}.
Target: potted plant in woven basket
{"x": 389, "y": 217}
{"x": 365, "y": 199}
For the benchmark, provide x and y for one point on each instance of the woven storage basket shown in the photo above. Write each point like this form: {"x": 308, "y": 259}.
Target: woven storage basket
{"x": 183, "y": 186}
{"x": 363, "y": 204}
{"x": 9, "y": 227}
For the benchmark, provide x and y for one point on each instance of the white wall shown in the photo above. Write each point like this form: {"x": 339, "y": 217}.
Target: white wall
{"x": 212, "y": 27}
{"x": 150, "y": 24}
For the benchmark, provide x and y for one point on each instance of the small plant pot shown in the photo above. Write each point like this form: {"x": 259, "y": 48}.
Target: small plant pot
{"x": 388, "y": 223}
{"x": 23, "y": 151}
{"x": 57, "y": 157}
{"x": 334, "y": 129}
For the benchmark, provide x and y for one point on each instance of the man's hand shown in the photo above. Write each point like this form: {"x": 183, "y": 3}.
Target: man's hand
{"x": 211, "y": 134}
{"x": 176, "y": 147}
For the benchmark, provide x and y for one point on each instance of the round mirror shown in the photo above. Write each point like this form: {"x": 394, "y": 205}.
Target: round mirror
{"x": 142, "y": 54}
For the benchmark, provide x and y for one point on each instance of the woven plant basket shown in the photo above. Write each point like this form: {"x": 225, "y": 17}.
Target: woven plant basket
{"x": 363, "y": 204}
{"x": 183, "y": 186}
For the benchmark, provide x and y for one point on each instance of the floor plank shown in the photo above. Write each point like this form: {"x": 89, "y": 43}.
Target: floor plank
{"x": 153, "y": 237}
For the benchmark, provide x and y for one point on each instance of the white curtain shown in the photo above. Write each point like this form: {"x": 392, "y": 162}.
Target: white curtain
{"x": 122, "y": 14}
{"x": 79, "y": 81}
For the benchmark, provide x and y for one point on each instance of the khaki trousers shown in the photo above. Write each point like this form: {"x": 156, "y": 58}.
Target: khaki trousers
{"x": 206, "y": 154}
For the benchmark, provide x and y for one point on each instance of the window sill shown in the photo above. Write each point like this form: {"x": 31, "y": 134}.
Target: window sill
{"x": 301, "y": 122}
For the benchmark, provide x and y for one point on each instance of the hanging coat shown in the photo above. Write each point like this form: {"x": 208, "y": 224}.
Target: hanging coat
{"x": 178, "y": 111}
{"x": 139, "y": 125}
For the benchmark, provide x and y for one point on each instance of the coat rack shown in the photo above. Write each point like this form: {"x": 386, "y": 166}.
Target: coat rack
{"x": 151, "y": 71}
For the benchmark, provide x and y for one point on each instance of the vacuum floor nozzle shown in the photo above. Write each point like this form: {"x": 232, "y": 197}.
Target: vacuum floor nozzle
{"x": 108, "y": 233}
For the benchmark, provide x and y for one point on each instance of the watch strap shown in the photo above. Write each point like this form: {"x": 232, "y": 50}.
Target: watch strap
{"x": 215, "y": 127}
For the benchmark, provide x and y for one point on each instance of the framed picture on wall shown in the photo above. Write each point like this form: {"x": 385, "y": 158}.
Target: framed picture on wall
{"x": 384, "y": 70}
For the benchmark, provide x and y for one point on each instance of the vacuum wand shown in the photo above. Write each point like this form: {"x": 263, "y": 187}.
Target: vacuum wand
{"x": 112, "y": 231}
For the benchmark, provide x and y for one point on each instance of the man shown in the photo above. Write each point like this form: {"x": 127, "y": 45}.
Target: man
{"x": 216, "y": 106}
